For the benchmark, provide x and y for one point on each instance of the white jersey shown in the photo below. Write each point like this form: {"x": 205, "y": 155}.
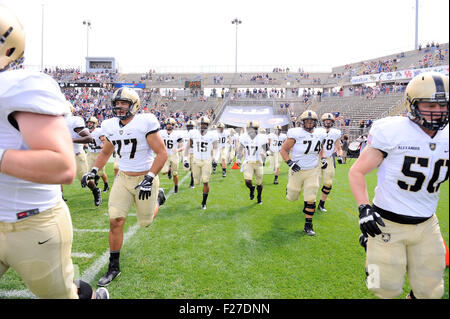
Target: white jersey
{"x": 223, "y": 139}
{"x": 276, "y": 141}
{"x": 74, "y": 122}
{"x": 130, "y": 141}
{"x": 307, "y": 146}
{"x": 253, "y": 148}
{"x": 330, "y": 140}
{"x": 203, "y": 144}
{"x": 27, "y": 91}
{"x": 94, "y": 146}
{"x": 187, "y": 143}
{"x": 416, "y": 164}
{"x": 171, "y": 140}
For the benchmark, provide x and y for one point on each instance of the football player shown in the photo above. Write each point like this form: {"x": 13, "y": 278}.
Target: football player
{"x": 306, "y": 145}
{"x": 80, "y": 135}
{"x": 173, "y": 140}
{"x": 411, "y": 154}
{"x": 224, "y": 145}
{"x": 204, "y": 143}
{"x": 135, "y": 138}
{"x": 331, "y": 145}
{"x": 253, "y": 146}
{"x": 232, "y": 152}
{"x": 276, "y": 139}
{"x": 94, "y": 149}
{"x": 36, "y": 156}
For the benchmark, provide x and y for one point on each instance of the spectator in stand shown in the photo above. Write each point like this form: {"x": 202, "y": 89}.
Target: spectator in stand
{"x": 361, "y": 127}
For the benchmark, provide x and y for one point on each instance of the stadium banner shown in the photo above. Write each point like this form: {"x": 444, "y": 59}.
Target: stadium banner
{"x": 240, "y": 115}
{"x": 80, "y": 85}
{"x": 397, "y": 75}
{"x": 130, "y": 85}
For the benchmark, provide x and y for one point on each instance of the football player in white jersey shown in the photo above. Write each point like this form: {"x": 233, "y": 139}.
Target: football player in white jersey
{"x": 306, "y": 144}
{"x": 204, "y": 143}
{"x": 253, "y": 146}
{"x": 412, "y": 157}
{"x": 135, "y": 138}
{"x": 276, "y": 139}
{"x": 190, "y": 125}
{"x": 80, "y": 136}
{"x": 36, "y": 156}
{"x": 224, "y": 145}
{"x": 331, "y": 145}
{"x": 173, "y": 140}
{"x": 94, "y": 148}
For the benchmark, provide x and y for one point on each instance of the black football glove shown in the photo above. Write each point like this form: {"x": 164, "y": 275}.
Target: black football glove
{"x": 363, "y": 241}
{"x": 145, "y": 187}
{"x": 293, "y": 165}
{"x": 324, "y": 163}
{"x": 186, "y": 164}
{"x": 88, "y": 176}
{"x": 339, "y": 160}
{"x": 368, "y": 220}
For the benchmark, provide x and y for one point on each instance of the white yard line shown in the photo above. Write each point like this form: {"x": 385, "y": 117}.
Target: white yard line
{"x": 83, "y": 255}
{"x": 104, "y": 230}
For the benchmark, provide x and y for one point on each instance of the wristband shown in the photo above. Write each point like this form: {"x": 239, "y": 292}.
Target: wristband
{"x": 2, "y": 152}
{"x": 151, "y": 174}
{"x": 94, "y": 169}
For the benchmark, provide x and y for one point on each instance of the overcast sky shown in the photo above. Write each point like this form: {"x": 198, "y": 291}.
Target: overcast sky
{"x": 173, "y": 35}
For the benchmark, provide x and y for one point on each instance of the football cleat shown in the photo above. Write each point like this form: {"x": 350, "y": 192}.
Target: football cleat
{"x": 275, "y": 181}
{"x": 101, "y": 293}
{"x": 309, "y": 230}
{"x": 204, "y": 206}
{"x": 97, "y": 196}
{"x": 106, "y": 187}
{"x": 161, "y": 197}
{"x": 252, "y": 193}
{"x": 321, "y": 208}
{"x": 259, "y": 202}
{"x": 112, "y": 273}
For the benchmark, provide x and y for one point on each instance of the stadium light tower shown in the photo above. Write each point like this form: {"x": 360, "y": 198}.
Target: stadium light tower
{"x": 236, "y": 21}
{"x": 87, "y": 23}
{"x": 416, "y": 42}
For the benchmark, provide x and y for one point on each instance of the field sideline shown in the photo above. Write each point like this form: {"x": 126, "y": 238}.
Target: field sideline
{"x": 235, "y": 249}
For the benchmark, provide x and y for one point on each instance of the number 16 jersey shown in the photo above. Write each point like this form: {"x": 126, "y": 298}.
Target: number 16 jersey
{"x": 415, "y": 165}
{"x": 130, "y": 141}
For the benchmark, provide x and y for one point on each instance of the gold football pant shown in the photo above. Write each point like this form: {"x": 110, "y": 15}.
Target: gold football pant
{"x": 201, "y": 170}
{"x": 254, "y": 169}
{"x": 307, "y": 180}
{"x": 91, "y": 157}
{"x": 172, "y": 161}
{"x": 417, "y": 250}
{"x": 82, "y": 165}
{"x": 39, "y": 249}
{"x": 123, "y": 195}
{"x": 326, "y": 175}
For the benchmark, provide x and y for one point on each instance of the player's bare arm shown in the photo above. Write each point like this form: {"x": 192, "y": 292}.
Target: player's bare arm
{"x": 50, "y": 158}
{"x": 369, "y": 159}
{"x": 157, "y": 145}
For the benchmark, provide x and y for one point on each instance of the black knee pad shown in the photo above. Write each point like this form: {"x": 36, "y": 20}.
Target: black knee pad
{"x": 311, "y": 206}
{"x": 326, "y": 190}
{"x": 84, "y": 289}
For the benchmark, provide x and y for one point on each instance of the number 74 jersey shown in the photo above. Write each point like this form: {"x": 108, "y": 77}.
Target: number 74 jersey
{"x": 130, "y": 141}
{"x": 415, "y": 166}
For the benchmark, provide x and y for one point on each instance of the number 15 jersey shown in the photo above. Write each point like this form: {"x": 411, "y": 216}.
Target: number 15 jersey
{"x": 130, "y": 141}
{"x": 409, "y": 177}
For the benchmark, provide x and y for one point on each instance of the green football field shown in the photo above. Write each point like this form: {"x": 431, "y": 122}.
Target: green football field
{"x": 235, "y": 249}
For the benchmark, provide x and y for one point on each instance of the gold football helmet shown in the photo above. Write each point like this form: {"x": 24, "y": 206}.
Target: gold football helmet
{"x": 93, "y": 120}
{"x": 128, "y": 95}
{"x": 431, "y": 87}
{"x": 253, "y": 124}
{"x": 190, "y": 125}
{"x": 204, "y": 120}
{"x": 309, "y": 115}
{"x": 171, "y": 121}
{"x": 327, "y": 117}
{"x": 12, "y": 39}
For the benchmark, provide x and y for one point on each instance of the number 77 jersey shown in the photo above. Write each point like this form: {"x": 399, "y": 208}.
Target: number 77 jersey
{"x": 130, "y": 141}
{"x": 414, "y": 167}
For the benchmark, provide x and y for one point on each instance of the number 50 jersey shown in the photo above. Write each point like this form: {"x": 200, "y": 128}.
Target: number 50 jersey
{"x": 130, "y": 141}
{"x": 413, "y": 169}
